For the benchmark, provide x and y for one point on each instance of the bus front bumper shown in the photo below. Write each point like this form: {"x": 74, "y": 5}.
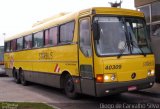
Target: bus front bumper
{"x": 104, "y": 89}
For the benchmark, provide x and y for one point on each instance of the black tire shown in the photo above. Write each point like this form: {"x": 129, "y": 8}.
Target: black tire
{"x": 16, "y": 76}
{"x": 22, "y": 78}
{"x": 69, "y": 87}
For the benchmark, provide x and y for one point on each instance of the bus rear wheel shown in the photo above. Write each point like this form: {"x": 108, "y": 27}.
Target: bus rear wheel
{"x": 69, "y": 87}
{"x": 16, "y": 76}
{"x": 22, "y": 78}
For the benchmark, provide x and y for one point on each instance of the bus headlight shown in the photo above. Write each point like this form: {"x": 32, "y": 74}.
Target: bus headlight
{"x": 106, "y": 77}
{"x": 109, "y": 77}
{"x": 151, "y": 72}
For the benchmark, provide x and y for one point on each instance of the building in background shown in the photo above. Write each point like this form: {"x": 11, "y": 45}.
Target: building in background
{"x": 1, "y": 55}
{"x": 151, "y": 10}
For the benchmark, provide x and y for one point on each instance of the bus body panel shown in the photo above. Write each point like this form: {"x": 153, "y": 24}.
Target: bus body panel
{"x": 127, "y": 65}
{"x": 46, "y": 65}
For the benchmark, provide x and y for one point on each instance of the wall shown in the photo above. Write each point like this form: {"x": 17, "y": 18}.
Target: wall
{"x": 143, "y": 2}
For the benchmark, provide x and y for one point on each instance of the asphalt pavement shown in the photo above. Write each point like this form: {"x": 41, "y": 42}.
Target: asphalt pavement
{"x": 12, "y": 92}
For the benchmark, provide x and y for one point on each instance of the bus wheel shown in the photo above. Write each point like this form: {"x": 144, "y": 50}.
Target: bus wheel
{"x": 69, "y": 87}
{"x": 16, "y": 76}
{"x": 22, "y": 78}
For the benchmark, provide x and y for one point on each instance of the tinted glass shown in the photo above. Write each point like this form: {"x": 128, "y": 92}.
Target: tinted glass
{"x": 38, "y": 39}
{"x": 53, "y": 35}
{"x": 47, "y": 38}
{"x": 28, "y": 42}
{"x": 13, "y": 45}
{"x": 66, "y": 32}
{"x": 7, "y": 46}
{"x": 20, "y": 44}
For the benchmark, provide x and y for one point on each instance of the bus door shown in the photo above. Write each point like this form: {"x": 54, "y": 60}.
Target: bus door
{"x": 85, "y": 57}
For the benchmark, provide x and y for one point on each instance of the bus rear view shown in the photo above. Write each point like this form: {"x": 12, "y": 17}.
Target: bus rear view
{"x": 120, "y": 53}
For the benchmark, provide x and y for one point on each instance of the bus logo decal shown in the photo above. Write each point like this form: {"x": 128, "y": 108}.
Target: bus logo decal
{"x": 57, "y": 68}
{"x": 133, "y": 76}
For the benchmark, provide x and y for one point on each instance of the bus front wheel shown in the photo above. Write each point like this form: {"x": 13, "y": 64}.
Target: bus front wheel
{"x": 69, "y": 87}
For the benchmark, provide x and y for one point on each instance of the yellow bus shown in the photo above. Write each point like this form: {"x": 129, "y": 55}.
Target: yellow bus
{"x": 97, "y": 51}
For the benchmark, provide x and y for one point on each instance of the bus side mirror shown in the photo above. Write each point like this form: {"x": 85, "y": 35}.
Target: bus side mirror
{"x": 96, "y": 30}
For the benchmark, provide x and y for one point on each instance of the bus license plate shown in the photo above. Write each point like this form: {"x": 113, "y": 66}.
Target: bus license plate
{"x": 132, "y": 88}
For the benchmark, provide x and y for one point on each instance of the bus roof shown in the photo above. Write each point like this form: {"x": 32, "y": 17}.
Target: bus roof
{"x": 66, "y": 17}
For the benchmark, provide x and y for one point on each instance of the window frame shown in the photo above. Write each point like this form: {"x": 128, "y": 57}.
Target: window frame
{"x": 59, "y": 33}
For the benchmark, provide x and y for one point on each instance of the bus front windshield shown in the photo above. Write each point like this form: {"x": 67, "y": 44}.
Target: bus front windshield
{"x": 121, "y": 35}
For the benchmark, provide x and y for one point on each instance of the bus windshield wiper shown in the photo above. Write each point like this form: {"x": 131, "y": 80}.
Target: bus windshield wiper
{"x": 133, "y": 43}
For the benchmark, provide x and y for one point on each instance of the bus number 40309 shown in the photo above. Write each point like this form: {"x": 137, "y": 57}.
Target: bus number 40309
{"x": 111, "y": 67}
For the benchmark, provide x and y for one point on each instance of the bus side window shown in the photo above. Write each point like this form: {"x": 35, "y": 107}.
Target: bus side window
{"x": 13, "y": 45}
{"x": 66, "y": 32}
{"x": 7, "y": 46}
{"x": 53, "y": 34}
{"x": 51, "y": 37}
{"x": 85, "y": 40}
{"x": 38, "y": 39}
{"x": 28, "y": 42}
{"x": 20, "y": 44}
{"x": 46, "y": 38}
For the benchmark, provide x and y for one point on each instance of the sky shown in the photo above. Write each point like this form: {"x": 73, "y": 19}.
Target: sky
{"x": 19, "y": 15}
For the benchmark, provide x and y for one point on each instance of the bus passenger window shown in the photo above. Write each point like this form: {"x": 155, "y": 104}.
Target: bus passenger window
{"x": 13, "y": 45}
{"x": 20, "y": 44}
{"x": 47, "y": 39}
{"x": 85, "y": 41}
{"x": 67, "y": 32}
{"x": 38, "y": 39}
{"x": 28, "y": 42}
{"x": 7, "y": 46}
{"x": 53, "y": 35}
